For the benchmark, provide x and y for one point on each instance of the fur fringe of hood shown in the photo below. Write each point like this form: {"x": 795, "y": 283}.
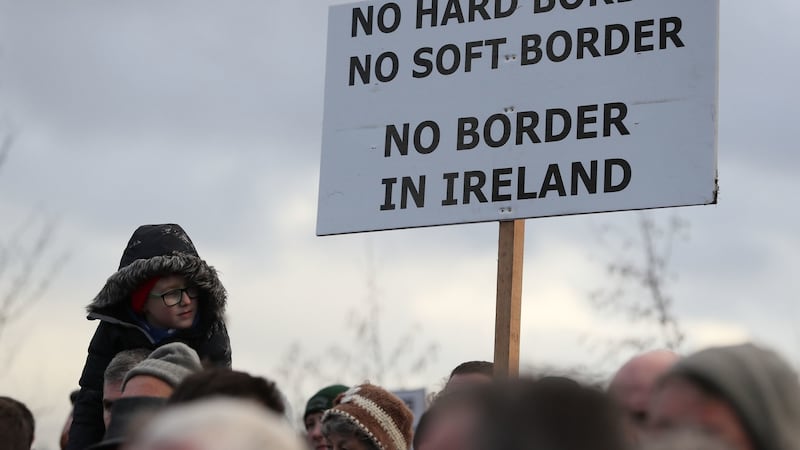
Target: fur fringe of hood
{"x": 119, "y": 287}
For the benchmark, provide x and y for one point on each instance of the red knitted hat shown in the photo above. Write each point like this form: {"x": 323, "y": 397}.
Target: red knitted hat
{"x": 139, "y": 296}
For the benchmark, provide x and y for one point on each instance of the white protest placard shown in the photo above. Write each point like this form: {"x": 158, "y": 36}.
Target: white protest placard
{"x": 456, "y": 111}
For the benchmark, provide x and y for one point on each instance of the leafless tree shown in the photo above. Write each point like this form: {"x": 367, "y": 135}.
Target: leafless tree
{"x": 27, "y": 267}
{"x": 5, "y": 148}
{"x": 368, "y": 356}
{"x": 639, "y": 275}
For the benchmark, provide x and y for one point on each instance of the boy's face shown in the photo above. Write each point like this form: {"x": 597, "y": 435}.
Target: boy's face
{"x": 178, "y": 316}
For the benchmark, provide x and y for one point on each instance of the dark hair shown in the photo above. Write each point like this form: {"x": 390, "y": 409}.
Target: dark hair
{"x": 482, "y": 367}
{"x": 16, "y": 425}
{"x": 228, "y": 383}
{"x": 122, "y": 362}
{"x": 339, "y": 424}
{"x": 555, "y": 413}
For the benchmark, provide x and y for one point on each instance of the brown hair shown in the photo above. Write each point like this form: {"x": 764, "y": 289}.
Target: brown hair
{"x": 16, "y": 424}
{"x": 555, "y": 413}
{"x": 229, "y": 383}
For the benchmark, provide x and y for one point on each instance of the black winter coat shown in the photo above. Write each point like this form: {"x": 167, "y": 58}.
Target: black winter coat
{"x": 154, "y": 250}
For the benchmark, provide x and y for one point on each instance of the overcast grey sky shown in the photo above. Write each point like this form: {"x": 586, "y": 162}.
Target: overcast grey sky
{"x": 209, "y": 114}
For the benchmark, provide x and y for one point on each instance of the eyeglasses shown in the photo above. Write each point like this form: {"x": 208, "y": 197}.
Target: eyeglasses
{"x": 174, "y": 296}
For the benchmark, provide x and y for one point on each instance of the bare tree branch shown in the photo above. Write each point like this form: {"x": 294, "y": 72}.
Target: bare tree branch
{"x": 639, "y": 273}
{"x": 366, "y": 357}
{"x": 25, "y": 274}
{"x": 5, "y": 148}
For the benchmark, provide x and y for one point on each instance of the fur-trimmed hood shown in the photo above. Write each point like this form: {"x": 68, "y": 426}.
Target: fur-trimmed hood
{"x": 155, "y": 250}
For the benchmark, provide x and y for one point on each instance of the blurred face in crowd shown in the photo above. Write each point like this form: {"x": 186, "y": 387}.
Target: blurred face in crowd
{"x": 346, "y": 442}
{"x": 450, "y": 430}
{"x": 632, "y": 387}
{"x": 171, "y": 303}
{"x": 679, "y": 403}
{"x": 111, "y": 392}
{"x": 313, "y": 424}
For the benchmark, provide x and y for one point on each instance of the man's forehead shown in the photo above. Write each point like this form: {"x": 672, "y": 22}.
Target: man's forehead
{"x": 644, "y": 369}
{"x": 111, "y": 387}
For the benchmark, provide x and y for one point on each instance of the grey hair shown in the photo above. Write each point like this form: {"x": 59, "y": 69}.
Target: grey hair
{"x": 339, "y": 424}
{"x": 122, "y": 363}
{"x": 217, "y": 423}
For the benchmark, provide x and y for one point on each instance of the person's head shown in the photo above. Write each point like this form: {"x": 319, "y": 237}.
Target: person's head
{"x": 16, "y": 425}
{"x": 315, "y": 407}
{"x": 217, "y": 423}
{"x": 470, "y": 373}
{"x": 115, "y": 373}
{"x": 449, "y": 422}
{"x": 632, "y": 386}
{"x": 368, "y": 417}
{"x": 222, "y": 382}
{"x": 552, "y": 413}
{"x": 746, "y": 395}
{"x": 128, "y": 415}
{"x": 684, "y": 403}
{"x": 161, "y": 372}
{"x": 163, "y": 281}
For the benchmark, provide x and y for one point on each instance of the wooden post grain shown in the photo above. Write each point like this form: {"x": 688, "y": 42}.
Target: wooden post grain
{"x": 509, "y": 298}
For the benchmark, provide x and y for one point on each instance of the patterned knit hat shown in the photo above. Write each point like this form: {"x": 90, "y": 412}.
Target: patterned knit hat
{"x": 378, "y": 413}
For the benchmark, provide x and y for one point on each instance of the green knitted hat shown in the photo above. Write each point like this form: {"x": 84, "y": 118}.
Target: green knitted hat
{"x": 323, "y": 400}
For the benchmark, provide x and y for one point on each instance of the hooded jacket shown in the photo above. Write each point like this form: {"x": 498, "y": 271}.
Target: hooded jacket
{"x": 153, "y": 250}
{"x": 762, "y": 389}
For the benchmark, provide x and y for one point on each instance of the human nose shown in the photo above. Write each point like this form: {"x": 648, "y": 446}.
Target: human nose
{"x": 185, "y": 299}
{"x": 316, "y": 432}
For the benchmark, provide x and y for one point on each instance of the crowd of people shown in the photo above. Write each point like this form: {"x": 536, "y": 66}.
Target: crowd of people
{"x": 158, "y": 376}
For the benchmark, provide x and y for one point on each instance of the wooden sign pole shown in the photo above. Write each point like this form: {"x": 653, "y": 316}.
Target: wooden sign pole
{"x": 509, "y": 298}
